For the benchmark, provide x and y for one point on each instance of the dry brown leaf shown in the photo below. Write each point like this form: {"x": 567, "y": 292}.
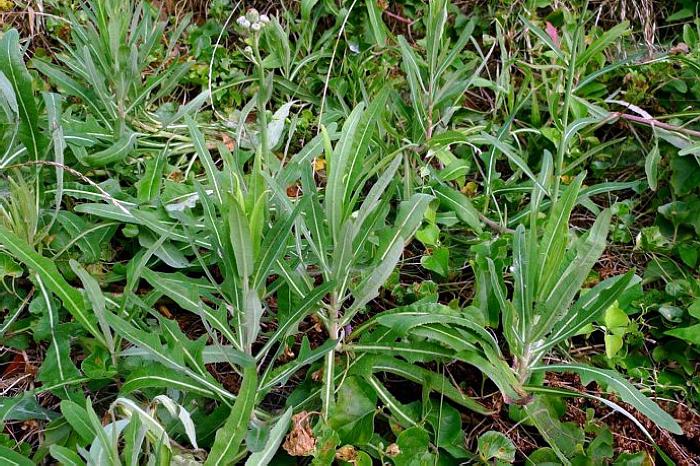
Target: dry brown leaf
{"x": 300, "y": 440}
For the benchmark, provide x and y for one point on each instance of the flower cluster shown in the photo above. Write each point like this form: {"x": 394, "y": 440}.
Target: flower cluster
{"x": 253, "y": 20}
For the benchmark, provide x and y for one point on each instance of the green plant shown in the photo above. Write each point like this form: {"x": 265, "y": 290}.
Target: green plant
{"x": 237, "y": 283}
{"x": 117, "y": 66}
{"x": 543, "y": 312}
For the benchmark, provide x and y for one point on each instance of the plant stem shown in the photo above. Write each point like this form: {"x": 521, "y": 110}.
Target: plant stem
{"x": 568, "y": 92}
{"x": 561, "y": 149}
{"x": 328, "y": 394}
{"x": 262, "y": 116}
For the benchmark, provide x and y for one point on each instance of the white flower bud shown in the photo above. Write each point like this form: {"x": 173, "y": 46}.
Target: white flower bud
{"x": 241, "y": 20}
{"x": 248, "y": 50}
{"x": 256, "y": 26}
{"x": 264, "y": 19}
{"x": 252, "y": 15}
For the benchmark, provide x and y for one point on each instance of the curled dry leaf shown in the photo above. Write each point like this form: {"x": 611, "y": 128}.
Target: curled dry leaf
{"x": 680, "y": 49}
{"x": 346, "y": 453}
{"x": 392, "y": 450}
{"x": 300, "y": 441}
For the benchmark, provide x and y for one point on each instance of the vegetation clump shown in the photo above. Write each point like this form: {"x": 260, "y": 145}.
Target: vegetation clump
{"x": 349, "y": 233}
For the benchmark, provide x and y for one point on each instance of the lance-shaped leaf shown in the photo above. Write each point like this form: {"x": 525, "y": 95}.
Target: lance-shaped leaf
{"x": 205, "y": 158}
{"x": 239, "y": 235}
{"x": 12, "y": 66}
{"x": 555, "y": 238}
{"x": 57, "y": 365}
{"x": 301, "y": 310}
{"x": 628, "y": 393}
{"x": 428, "y": 379}
{"x": 408, "y": 220}
{"x": 274, "y": 440}
{"x": 157, "y": 376}
{"x": 274, "y": 244}
{"x": 229, "y": 437}
{"x": 281, "y": 374}
{"x": 13, "y": 458}
{"x": 460, "y": 205}
{"x": 117, "y": 152}
{"x": 97, "y": 299}
{"x": 65, "y": 456}
{"x": 54, "y": 281}
{"x": 570, "y": 277}
{"x": 166, "y": 356}
{"x": 587, "y": 308}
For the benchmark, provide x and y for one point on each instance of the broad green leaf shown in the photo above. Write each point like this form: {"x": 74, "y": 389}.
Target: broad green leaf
{"x": 495, "y": 445}
{"x": 628, "y": 393}
{"x": 356, "y": 401}
{"x": 414, "y": 445}
{"x": 230, "y": 436}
